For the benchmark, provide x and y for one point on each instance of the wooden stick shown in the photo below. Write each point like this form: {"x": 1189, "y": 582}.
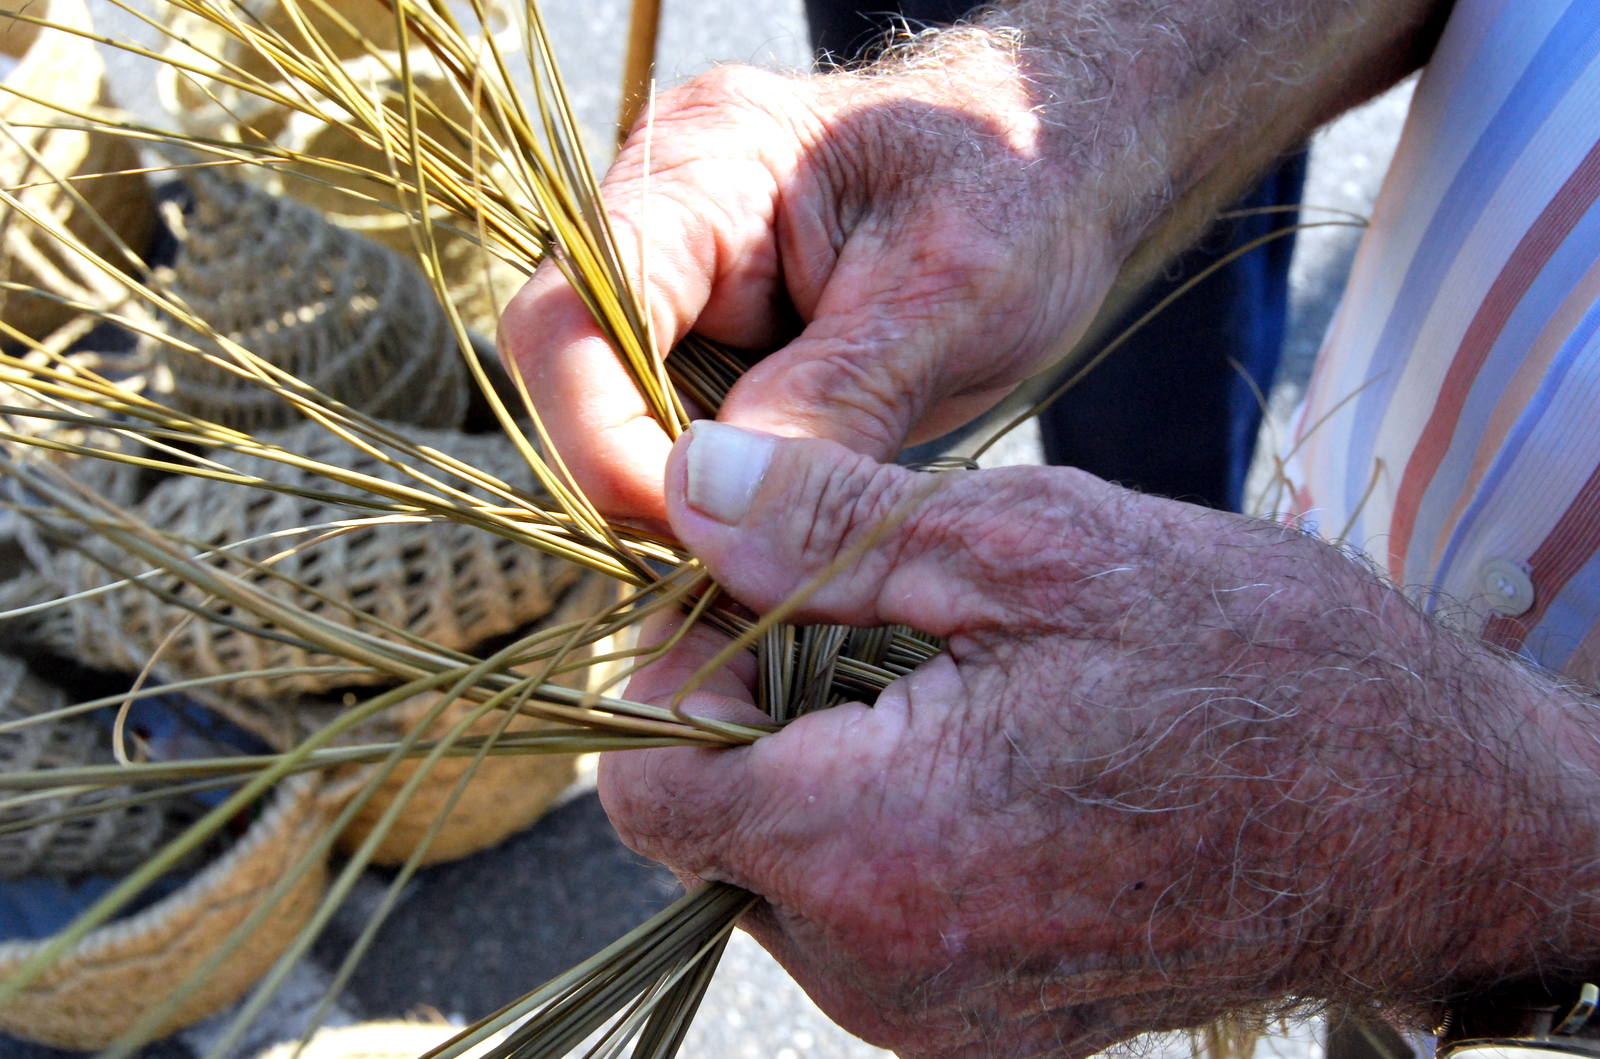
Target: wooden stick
{"x": 644, "y": 26}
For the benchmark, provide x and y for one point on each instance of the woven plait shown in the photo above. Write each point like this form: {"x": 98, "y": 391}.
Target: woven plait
{"x": 109, "y": 842}
{"x": 336, "y": 310}
{"x": 455, "y": 585}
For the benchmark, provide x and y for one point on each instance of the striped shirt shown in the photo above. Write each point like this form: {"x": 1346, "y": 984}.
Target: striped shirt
{"x": 1452, "y": 427}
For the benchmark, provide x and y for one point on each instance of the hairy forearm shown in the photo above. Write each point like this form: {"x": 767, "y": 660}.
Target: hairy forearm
{"x": 1525, "y": 901}
{"x": 1165, "y": 113}
{"x": 1481, "y": 867}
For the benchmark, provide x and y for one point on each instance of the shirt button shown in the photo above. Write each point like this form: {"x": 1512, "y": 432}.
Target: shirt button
{"x": 1508, "y": 587}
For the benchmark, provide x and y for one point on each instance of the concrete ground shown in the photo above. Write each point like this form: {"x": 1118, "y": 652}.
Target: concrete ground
{"x": 471, "y": 935}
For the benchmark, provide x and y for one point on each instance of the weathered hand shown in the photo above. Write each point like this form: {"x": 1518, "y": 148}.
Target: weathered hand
{"x": 916, "y": 240}
{"x": 907, "y": 240}
{"x": 1174, "y": 761}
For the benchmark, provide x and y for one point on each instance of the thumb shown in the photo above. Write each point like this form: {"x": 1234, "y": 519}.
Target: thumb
{"x": 940, "y": 553}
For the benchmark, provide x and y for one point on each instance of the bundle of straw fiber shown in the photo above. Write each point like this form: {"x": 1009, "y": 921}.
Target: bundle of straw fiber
{"x": 120, "y": 971}
{"x": 364, "y": 41}
{"x": 505, "y": 794}
{"x": 450, "y": 584}
{"x": 66, "y": 70}
{"x": 524, "y": 179}
{"x": 339, "y": 312}
{"x": 38, "y": 839}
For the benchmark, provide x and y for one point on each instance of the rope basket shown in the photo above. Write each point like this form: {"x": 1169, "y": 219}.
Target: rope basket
{"x": 108, "y": 842}
{"x": 120, "y": 971}
{"x": 505, "y": 794}
{"x": 337, "y": 311}
{"x": 479, "y": 284}
{"x": 66, "y": 69}
{"x": 455, "y": 585}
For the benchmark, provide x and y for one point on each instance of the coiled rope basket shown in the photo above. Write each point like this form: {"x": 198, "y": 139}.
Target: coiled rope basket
{"x": 121, "y": 971}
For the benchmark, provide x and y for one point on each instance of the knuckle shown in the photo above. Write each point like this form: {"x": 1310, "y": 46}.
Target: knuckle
{"x": 865, "y": 388}
{"x": 731, "y": 82}
{"x": 724, "y": 102}
{"x": 669, "y": 805}
{"x": 846, "y": 506}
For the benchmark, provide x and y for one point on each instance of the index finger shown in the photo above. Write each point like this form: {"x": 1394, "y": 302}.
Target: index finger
{"x": 606, "y": 436}
{"x": 708, "y": 230}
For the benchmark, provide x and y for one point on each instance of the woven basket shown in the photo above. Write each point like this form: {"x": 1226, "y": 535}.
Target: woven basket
{"x": 455, "y": 585}
{"x": 66, "y": 69}
{"x": 111, "y": 842}
{"x": 117, "y": 973}
{"x": 335, "y": 310}
{"x": 478, "y": 285}
{"x": 505, "y": 795}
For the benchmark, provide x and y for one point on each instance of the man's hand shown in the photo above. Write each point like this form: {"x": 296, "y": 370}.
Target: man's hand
{"x": 1173, "y": 762}
{"x": 918, "y": 239}
{"x": 905, "y": 244}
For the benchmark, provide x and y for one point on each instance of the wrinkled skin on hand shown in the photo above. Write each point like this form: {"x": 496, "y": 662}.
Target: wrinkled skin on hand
{"x": 910, "y": 247}
{"x": 1173, "y": 762}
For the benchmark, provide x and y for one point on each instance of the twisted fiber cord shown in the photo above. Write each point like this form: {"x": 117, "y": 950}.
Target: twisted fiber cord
{"x": 341, "y": 313}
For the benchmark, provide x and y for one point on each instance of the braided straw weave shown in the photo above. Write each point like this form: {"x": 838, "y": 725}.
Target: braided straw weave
{"x": 109, "y": 842}
{"x": 120, "y": 971}
{"x": 66, "y": 69}
{"x": 455, "y": 585}
{"x": 337, "y": 311}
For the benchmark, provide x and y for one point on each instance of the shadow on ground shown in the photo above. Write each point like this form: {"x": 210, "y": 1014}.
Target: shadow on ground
{"x": 473, "y": 935}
